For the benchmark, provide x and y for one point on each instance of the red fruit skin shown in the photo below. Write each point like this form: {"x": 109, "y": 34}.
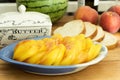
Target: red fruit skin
{"x": 86, "y": 13}
{"x": 110, "y": 21}
{"x": 115, "y": 8}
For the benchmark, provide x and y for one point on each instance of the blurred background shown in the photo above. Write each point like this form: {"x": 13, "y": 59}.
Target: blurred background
{"x": 6, "y": 1}
{"x": 69, "y": 0}
{"x": 9, "y": 5}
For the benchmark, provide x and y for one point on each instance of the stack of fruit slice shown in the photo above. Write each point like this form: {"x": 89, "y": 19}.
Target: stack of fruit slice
{"x": 57, "y": 50}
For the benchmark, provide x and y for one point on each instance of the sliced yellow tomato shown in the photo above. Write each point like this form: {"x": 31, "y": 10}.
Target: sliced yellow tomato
{"x": 26, "y": 53}
{"x": 50, "y": 57}
{"x": 89, "y": 43}
{"x": 94, "y": 51}
{"x": 35, "y": 59}
{"x": 80, "y": 58}
{"x": 67, "y": 60}
{"x": 58, "y": 38}
{"x": 60, "y": 54}
{"x": 57, "y": 50}
{"x": 49, "y": 43}
{"x": 24, "y": 49}
{"x": 80, "y": 37}
{"x": 97, "y": 50}
{"x": 70, "y": 55}
{"x": 41, "y": 45}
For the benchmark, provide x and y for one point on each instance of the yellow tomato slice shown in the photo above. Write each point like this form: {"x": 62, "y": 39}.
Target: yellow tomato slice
{"x": 35, "y": 59}
{"x": 25, "y": 49}
{"x": 60, "y": 54}
{"x": 50, "y": 57}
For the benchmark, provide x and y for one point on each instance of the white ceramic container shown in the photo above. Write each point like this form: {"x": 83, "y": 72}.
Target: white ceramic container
{"x": 21, "y": 25}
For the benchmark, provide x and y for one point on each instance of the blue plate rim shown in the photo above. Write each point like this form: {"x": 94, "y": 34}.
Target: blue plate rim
{"x": 102, "y": 55}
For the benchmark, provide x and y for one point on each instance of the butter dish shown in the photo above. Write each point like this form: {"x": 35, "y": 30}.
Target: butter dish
{"x": 15, "y": 26}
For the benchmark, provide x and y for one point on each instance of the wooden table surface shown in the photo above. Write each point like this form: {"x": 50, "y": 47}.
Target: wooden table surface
{"x": 107, "y": 69}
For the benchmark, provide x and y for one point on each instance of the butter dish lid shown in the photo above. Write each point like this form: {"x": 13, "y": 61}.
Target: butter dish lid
{"x": 23, "y": 18}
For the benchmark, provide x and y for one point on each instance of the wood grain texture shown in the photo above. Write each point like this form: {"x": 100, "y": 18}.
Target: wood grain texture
{"x": 107, "y": 69}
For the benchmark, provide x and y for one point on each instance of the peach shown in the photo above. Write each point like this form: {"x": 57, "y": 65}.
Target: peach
{"x": 110, "y": 21}
{"x": 86, "y": 13}
{"x": 115, "y": 8}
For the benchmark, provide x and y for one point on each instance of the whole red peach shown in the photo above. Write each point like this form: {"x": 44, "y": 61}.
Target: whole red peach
{"x": 110, "y": 21}
{"x": 86, "y": 13}
{"x": 115, "y": 8}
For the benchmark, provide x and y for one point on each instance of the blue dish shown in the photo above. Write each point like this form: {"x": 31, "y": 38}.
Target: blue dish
{"x": 7, "y": 52}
